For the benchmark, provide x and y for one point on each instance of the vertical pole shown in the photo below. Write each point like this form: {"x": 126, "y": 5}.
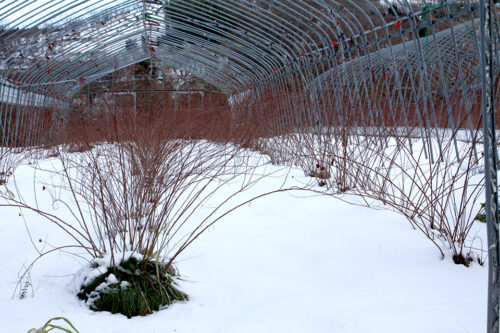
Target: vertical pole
{"x": 175, "y": 102}
{"x": 490, "y": 162}
{"x": 88, "y": 97}
{"x": 135, "y": 95}
{"x": 202, "y": 106}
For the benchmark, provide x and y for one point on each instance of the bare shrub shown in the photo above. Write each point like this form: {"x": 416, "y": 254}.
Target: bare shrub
{"x": 440, "y": 199}
{"x": 145, "y": 189}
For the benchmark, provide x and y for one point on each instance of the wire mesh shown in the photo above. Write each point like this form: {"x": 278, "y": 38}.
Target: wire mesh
{"x": 408, "y": 66}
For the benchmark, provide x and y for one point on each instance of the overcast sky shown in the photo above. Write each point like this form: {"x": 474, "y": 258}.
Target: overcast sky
{"x": 22, "y": 13}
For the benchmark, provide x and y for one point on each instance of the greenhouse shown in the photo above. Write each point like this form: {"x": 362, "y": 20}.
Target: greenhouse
{"x": 249, "y": 165}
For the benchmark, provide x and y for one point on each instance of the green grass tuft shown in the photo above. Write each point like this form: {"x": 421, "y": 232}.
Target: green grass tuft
{"x": 49, "y": 326}
{"x": 149, "y": 286}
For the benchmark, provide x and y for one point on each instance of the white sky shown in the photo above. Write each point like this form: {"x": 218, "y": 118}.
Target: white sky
{"x": 22, "y": 13}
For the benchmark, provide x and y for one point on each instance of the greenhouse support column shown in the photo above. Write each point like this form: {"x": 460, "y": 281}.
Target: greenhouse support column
{"x": 134, "y": 94}
{"x": 202, "y": 106}
{"x": 88, "y": 97}
{"x": 490, "y": 162}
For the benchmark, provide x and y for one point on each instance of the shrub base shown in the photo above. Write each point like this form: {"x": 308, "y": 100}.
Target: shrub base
{"x": 134, "y": 288}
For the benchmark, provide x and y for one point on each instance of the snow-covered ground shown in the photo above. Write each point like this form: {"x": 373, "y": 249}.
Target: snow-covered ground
{"x": 290, "y": 262}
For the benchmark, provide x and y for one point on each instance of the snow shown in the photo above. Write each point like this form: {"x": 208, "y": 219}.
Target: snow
{"x": 100, "y": 266}
{"x": 290, "y": 262}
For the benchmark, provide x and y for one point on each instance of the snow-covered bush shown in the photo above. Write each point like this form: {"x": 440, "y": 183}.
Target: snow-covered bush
{"x": 134, "y": 287}
{"x": 143, "y": 190}
{"x": 441, "y": 199}
{"x": 381, "y": 168}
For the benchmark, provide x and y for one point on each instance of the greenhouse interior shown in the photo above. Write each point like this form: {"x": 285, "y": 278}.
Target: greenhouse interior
{"x": 249, "y": 166}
